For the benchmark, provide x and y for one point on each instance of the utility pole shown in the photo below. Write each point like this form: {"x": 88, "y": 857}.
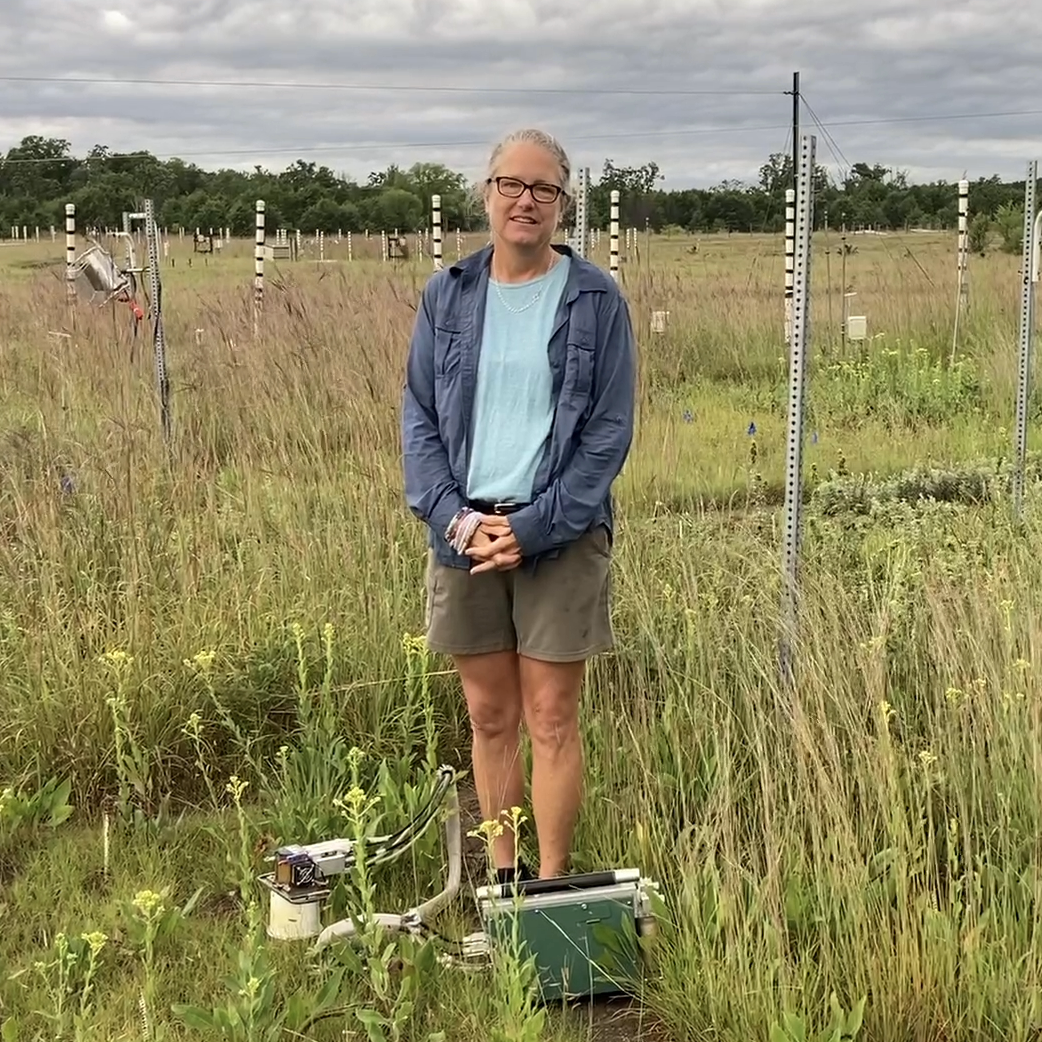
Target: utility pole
{"x": 795, "y": 127}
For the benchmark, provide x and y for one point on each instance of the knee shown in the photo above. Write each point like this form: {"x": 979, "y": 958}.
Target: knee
{"x": 492, "y": 720}
{"x": 552, "y": 719}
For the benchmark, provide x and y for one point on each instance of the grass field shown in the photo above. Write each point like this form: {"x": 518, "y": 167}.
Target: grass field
{"x": 209, "y": 651}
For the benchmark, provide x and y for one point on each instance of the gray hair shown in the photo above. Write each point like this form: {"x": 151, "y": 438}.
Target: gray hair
{"x": 530, "y": 136}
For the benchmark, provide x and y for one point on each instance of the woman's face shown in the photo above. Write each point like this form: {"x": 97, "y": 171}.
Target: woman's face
{"x": 524, "y": 221}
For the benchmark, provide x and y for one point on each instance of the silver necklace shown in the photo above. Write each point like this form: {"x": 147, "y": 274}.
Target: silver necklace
{"x": 533, "y": 301}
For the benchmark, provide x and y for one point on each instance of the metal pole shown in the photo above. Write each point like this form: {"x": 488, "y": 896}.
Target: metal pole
{"x": 797, "y": 377}
{"x": 580, "y": 212}
{"x": 795, "y": 126}
{"x": 1027, "y": 322}
{"x": 158, "y": 335}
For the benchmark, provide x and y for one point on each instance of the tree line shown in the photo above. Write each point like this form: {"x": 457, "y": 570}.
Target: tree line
{"x": 40, "y": 175}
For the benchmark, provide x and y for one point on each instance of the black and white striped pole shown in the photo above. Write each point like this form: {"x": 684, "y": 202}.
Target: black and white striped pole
{"x": 613, "y": 234}
{"x": 1029, "y": 276}
{"x": 798, "y": 344}
{"x": 964, "y": 240}
{"x": 790, "y": 257}
{"x": 961, "y": 262}
{"x": 70, "y": 252}
{"x": 436, "y": 222}
{"x": 258, "y": 265}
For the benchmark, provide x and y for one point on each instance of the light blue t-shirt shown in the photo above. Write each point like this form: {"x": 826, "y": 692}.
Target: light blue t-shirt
{"x": 513, "y": 398}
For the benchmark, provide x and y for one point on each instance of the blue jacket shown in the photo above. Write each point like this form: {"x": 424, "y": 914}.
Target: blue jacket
{"x": 593, "y": 361}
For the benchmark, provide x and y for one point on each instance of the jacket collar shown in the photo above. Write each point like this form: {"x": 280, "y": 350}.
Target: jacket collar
{"x": 584, "y": 276}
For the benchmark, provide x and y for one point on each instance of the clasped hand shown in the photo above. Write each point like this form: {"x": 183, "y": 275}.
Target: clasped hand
{"x": 494, "y": 546}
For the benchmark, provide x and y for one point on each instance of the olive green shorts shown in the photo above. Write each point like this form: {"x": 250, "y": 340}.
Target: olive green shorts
{"x": 559, "y": 613}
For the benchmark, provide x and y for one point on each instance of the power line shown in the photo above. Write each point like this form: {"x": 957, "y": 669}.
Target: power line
{"x": 676, "y": 132}
{"x": 397, "y": 87}
{"x": 388, "y": 145}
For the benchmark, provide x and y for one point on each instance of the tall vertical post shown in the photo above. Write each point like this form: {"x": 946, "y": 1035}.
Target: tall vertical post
{"x": 961, "y": 265}
{"x": 613, "y": 234}
{"x": 70, "y": 251}
{"x": 790, "y": 258}
{"x": 964, "y": 250}
{"x": 795, "y": 126}
{"x": 797, "y": 376}
{"x": 580, "y": 213}
{"x": 1028, "y": 274}
{"x": 258, "y": 264}
{"x": 158, "y": 333}
{"x": 436, "y": 223}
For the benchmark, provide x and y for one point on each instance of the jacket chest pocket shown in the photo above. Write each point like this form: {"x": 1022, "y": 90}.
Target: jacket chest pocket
{"x": 447, "y": 344}
{"x": 577, "y": 386}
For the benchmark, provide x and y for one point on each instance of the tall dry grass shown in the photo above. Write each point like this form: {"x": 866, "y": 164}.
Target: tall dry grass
{"x": 873, "y": 832}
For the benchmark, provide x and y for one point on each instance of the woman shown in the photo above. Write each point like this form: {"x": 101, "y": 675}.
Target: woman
{"x": 517, "y": 418}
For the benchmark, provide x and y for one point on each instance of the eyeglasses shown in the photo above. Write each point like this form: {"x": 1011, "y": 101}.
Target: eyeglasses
{"x": 512, "y": 188}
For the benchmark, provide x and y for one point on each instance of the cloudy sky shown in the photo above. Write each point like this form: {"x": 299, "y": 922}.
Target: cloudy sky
{"x": 695, "y": 85}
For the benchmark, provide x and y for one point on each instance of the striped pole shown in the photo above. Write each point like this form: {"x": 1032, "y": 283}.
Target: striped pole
{"x": 790, "y": 258}
{"x": 613, "y": 257}
{"x": 961, "y": 254}
{"x": 70, "y": 250}
{"x": 258, "y": 266}
{"x": 964, "y": 209}
{"x": 436, "y": 222}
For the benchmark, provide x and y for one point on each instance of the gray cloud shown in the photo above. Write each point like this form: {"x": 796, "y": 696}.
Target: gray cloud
{"x": 879, "y": 76}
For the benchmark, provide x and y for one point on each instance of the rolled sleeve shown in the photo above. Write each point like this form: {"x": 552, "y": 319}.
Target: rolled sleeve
{"x": 566, "y": 509}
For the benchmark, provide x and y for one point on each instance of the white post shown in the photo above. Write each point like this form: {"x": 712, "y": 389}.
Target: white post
{"x": 258, "y": 266}
{"x": 962, "y": 253}
{"x": 70, "y": 250}
{"x": 790, "y": 257}
{"x": 613, "y": 258}
{"x": 964, "y": 208}
{"x": 436, "y": 222}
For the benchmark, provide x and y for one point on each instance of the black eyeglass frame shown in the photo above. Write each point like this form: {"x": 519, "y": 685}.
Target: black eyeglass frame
{"x": 556, "y": 189}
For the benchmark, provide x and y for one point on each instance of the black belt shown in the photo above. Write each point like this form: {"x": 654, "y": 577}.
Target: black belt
{"x": 502, "y": 509}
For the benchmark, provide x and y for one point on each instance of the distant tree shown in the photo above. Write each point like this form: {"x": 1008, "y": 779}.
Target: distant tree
{"x": 39, "y": 175}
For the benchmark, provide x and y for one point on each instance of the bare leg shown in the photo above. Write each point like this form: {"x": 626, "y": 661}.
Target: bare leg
{"x": 550, "y": 694}
{"x": 491, "y": 686}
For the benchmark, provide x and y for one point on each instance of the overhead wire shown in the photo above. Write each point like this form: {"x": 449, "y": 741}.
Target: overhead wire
{"x": 843, "y": 162}
{"x": 426, "y": 88}
{"x": 348, "y": 148}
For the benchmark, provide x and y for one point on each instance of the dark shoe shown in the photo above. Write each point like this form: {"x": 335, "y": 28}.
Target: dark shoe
{"x": 506, "y": 876}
